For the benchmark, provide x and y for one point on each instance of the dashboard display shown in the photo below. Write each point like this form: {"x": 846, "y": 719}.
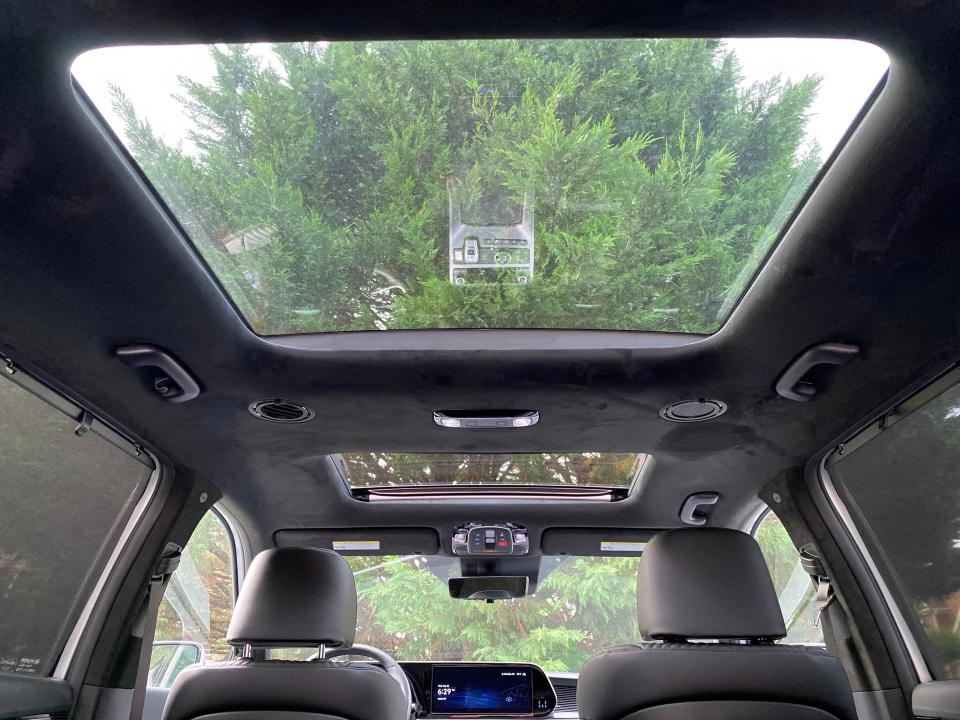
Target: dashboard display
{"x": 481, "y": 690}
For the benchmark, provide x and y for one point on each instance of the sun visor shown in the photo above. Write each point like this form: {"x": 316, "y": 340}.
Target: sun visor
{"x": 589, "y": 542}
{"x": 363, "y": 541}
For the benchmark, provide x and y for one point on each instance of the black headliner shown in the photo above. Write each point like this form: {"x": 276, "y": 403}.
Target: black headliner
{"x": 89, "y": 260}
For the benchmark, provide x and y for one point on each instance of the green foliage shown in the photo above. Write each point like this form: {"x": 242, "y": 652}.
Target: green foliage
{"x": 372, "y": 469}
{"x": 317, "y": 189}
{"x": 658, "y": 180}
{"x": 581, "y": 606}
{"x": 782, "y": 562}
{"x": 209, "y": 551}
{"x": 778, "y": 551}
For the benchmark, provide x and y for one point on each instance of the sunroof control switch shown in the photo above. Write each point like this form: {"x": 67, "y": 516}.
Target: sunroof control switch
{"x": 491, "y": 539}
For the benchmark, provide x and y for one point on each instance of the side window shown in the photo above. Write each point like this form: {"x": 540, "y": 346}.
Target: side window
{"x": 794, "y": 588}
{"x": 905, "y": 488}
{"x": 64, "y": 500}
{"x": 196, "y": 605}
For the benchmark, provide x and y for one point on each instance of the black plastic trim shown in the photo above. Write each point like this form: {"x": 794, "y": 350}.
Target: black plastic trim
{"x": 22, "y": 697}
{"x": 791, "y": 384}
{"x": 139, "y": 356}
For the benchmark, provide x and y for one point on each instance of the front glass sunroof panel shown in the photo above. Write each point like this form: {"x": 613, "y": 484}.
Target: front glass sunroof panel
{"x": 583, "y": 469}
{"x": 580, "y": 184}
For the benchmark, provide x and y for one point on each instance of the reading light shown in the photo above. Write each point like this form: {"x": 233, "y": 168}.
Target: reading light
{"x": 486, "y": 419}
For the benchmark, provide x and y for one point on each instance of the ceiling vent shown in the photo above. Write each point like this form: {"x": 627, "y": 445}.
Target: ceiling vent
{"x": 687, "y": 411}
{"x": 281, "y": 411}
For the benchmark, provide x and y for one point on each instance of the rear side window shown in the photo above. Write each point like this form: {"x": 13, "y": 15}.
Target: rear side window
{"x": 904, "y": 484}
{"x": 64, "y": 499}
{"x": 197, "y": 604}
{"x": 793, "y": 586}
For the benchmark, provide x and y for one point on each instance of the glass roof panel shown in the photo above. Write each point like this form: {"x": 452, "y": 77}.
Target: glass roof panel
{"x": 585, "y": 469}
{"x": 595, "y": 184}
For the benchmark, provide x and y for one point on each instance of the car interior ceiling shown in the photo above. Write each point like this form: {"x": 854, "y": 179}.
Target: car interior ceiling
{"x": 91, "y": 260}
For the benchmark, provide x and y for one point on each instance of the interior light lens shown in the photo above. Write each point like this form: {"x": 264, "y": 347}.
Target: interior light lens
{"x": 486, "y": 419}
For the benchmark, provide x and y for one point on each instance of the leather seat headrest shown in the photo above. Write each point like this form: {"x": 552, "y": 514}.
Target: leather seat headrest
{"x": 706, "y": 583}
{"x": 296, "y": 597}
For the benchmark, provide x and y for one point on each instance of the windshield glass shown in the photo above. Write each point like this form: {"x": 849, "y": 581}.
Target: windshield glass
{"x": 407, "y": 469}
{"x": 581, "y": 605}
{"x": 608, "y": 184}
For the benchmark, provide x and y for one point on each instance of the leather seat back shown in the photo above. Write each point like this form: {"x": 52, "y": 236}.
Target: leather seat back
{"x": 711, "y": 584}
{"x": 292, "y": 597}
{"x": 276, "y": 690}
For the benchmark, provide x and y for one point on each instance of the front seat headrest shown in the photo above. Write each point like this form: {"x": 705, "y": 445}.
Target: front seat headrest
{"x": 706, "y": 583}
{"x": 296, "y": 597}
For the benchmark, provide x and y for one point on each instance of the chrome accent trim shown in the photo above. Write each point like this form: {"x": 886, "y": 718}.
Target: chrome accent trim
{"x": 139, "y": 510}
{"x": 903, "y": 629}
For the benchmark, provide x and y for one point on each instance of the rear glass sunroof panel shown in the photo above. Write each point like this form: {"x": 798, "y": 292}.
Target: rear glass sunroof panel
{"x": 576, "y": 184}
{"x": 581, "y": 469}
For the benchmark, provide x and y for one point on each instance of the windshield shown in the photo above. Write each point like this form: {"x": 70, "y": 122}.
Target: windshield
{"x": 581, "y": 605}
{"x": 607, "y": 184}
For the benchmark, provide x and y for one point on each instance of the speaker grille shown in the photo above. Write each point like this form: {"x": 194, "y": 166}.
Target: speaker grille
{"x": 687, "y": 411}
{"x": 281, "y": 411}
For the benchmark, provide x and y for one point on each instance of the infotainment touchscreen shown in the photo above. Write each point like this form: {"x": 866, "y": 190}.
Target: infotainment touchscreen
{"x": 481, "y": 690}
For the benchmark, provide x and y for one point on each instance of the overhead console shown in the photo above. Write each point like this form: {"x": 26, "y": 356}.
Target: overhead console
{"x": 487, "y": 539}
{"x": 482, "y": 689}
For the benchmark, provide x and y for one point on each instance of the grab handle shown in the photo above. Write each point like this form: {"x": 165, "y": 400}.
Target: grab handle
{"x": 791, "y": 384}
{"x": 174, "y": 383}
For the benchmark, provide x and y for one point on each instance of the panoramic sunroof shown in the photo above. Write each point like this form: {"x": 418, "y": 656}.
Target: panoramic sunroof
{"x": 584, "y": 469}
{"x": 606, "y": 184}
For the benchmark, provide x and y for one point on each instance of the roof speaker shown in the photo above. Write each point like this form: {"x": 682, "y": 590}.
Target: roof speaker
{"x": 687, "y": 411}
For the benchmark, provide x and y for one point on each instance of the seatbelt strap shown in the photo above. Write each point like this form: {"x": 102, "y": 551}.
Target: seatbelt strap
{"x": 158, "y": 583}
{"x": 825, "y": 601}
{"x": 825, "y": 597}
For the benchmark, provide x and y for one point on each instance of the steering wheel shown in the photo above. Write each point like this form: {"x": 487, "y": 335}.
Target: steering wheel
{"x": 389, "y": 664}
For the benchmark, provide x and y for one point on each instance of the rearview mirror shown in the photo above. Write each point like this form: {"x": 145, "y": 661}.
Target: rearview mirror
{"x": 488, "y": 587}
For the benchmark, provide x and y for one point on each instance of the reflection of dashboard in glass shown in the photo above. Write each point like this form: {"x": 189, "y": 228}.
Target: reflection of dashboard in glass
{"x": 481, "y": 690}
